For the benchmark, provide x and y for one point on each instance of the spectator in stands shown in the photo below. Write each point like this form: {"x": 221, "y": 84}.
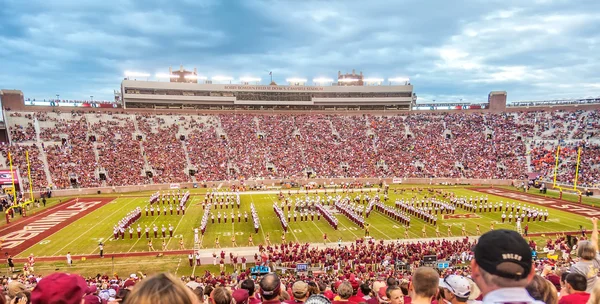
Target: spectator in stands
{"x": 589, "y": 263}
{"x": 299, "y": 292}
{"x": 59, "y": 288}
{"x": 503, "y": 267}
{"x": 575, "y": 290}
{"x": 595, "y": 295}
{"x": 250, "y": 286}
{"x": 240, "y": 296}
{"x": 394, "y": 294}
{"x": 542, "y": 290}
{"x": 220, "y": 295}
{"x": 162, "y": 288}
{"x": 270, "y": 288}
{"x": 424, "y": 286}
{"x": 344, "y": 291}
{"x": 456, "y": 289}
{"x": 317, "y": 299}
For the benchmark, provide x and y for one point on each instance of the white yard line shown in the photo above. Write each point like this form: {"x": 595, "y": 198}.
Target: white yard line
{"x": 396, "y": 223}
{"x": 289, "y": 228}
{"x": 84, "y": 233}
{"x": 178, "y": 264}
{"x": 259, "y": 221}
{"x": 143, "y": 232}
{"x": 346, "y": 227}
{"x": 175, "y": 230}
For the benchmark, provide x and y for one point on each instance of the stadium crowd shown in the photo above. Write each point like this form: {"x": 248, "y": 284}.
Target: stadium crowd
{"x": 80, "y": 147}
{"x": 498, "y": 268}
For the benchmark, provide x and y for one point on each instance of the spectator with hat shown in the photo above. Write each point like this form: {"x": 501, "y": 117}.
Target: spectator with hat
{"x": 456, "y": 289}
{"x": 59, "y": 288}
{"x": 503, "y": 267}
{"x": 240, "y": 296}
{"x": 299, "y": 293}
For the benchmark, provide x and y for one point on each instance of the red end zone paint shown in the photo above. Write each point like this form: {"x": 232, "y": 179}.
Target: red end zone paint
{"x": 461, "y": 216}
{"x": 24, "y": 234}
{"x": 576, "y": 208}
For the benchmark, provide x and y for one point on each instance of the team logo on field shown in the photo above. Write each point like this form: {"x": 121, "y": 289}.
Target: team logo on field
{"x": 461, "y": 216}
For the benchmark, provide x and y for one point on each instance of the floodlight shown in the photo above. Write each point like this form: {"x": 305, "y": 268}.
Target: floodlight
{"x": 348, "y": 80}
{"x": 296, "y": 80}
{"x": 192, "y": 76}
{"x": 398, "y": 79}
{"x": 322, "y": 80}
{"x": 159, "y": 75}
{"x": 373, "y": 80}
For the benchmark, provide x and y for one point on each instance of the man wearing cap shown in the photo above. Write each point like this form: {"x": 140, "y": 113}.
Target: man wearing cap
{"x": 240, "y": 296}
{"x": 59, "y": 288}
{"x": 503, "y": 267}
{"x": 270, "y": 288}
{"x": 456, "y": 289}
{"x": 299, "y": 293}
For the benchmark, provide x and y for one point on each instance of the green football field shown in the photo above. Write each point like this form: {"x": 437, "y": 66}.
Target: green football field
{"x": 83, "y": 235}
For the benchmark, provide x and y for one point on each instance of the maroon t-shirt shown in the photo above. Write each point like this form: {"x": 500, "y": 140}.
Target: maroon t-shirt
{"x": 576, "y": 298}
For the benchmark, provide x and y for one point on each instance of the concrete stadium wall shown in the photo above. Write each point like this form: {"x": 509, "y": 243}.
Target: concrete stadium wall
{"x": 277, "y": 182}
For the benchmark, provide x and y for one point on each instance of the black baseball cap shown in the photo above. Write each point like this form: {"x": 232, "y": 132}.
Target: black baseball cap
{"x": 504, "y": 253}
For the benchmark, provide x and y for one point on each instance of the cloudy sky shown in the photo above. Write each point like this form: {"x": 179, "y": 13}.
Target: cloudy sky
{"x": 533, "y": 49}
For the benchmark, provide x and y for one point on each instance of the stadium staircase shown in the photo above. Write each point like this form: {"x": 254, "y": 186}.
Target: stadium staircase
{"x": 187, "y": 158}
{"x": 3, "y": 161}
{"x": 42, "y": 152}
{"x": 147, "y": 166}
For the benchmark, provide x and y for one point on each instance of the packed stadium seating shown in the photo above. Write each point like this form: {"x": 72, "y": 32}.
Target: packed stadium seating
{"x": 75, "y": 146}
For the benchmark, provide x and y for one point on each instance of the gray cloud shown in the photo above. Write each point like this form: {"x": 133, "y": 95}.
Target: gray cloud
{"x": 451, "y": 50}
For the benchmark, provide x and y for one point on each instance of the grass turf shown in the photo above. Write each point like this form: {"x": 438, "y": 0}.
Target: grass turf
{"x": 82, "y": 236}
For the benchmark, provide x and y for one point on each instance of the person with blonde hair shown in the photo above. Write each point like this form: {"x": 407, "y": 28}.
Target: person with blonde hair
{"x": 220, "y": 295}
{"x": 595, "y": 295}
{"x": 542, "y": 290}
{"x": 589, "y": 259}
{"x": 161, "y": 288}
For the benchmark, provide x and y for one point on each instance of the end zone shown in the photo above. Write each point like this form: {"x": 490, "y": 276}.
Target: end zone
{"x": 24, "y": 234}
{"x": 575, "y": 208}
{"x": 461, "y": 216}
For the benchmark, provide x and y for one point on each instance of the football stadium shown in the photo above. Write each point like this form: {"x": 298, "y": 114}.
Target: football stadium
{"x": 245, "y": 191}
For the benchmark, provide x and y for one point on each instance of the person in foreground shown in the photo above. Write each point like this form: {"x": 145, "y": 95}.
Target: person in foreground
{"x": 161, "y": 288}
{"x": 574, "y": 291}
{"x": 424, "y": 285}
{"x": 503, "y": 267}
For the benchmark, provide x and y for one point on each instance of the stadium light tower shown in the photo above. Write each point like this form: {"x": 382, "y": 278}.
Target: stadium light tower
{"x": 322, "y": 81}
{"x": 130, "y": 74}
{"x": 399, "y": 80}
{"x": 373, "y": 81}
{"x": 166, "y": 76}
{"x": 296, "y": 81}
{"x": 92, "y": 98}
